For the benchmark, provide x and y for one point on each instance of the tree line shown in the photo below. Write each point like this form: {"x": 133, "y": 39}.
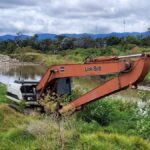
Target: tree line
{"x": 64, "y": 43}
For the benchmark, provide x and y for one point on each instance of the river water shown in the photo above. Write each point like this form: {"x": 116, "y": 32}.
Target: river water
{"x": 11, "y": 72}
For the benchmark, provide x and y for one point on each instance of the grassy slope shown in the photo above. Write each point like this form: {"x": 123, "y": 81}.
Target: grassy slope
{"x": 21, "y": 132}
{"x": 2, "y": 93}
{"x": 12, "y": 135}
{"x": 76, "y": 55}
{"x": 33, "y": 133}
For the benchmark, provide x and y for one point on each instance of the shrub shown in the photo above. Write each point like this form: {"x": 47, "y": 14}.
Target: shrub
{"x": 130, "y": 46}
{"x": 102, "y": 111}
{"x": 143, "y": 127}
{"x": 113, "y": 115}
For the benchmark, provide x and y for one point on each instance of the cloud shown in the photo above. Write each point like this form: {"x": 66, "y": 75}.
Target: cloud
{"x": 64, "y": 16}
{"x": 14, "y": 3}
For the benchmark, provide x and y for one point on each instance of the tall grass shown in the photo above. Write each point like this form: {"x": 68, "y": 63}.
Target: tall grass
{"x": 19, "y": 132}
{"x": 106, "y": 141}
{"x": 3, "y": 98}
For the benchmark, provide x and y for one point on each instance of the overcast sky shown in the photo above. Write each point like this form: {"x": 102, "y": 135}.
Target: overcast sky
{"x": 73, "y": 16}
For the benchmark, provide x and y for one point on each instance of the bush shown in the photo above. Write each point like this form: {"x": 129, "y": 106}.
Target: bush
{"x": 92, "y": 52}
{"x": 102, "y": 111}
{"x": 113, "y": 115}
{"x": 143, "y": 123}
{"x": 130, "y": 46}
{"x": 143, "y": 127}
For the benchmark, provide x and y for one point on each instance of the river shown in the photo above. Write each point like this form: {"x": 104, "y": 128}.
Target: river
{"x": 11, "y": 72}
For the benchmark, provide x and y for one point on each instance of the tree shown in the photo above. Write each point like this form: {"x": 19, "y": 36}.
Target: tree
{"x": 10, "y": 47}
{"x": 35, "y": 37}
{"x": 60, "y": 37}
{"x": 45, "y": 45}
{"x": 100, "y": 42}
{"x": 132, "y": 40}
{"x": 84, "y": 42}
{"x": 67, "y": 43}
{"x": 148, "y": 29}
{"x": 18, "y": 40}
{"x": 146, "y": 41}
{"x": 113, "y": 40}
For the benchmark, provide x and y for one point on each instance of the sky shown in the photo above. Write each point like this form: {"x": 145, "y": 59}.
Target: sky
{"x": 73, "y": 16}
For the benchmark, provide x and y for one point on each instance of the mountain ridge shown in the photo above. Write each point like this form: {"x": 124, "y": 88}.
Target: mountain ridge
{"x": 43, "y": 36}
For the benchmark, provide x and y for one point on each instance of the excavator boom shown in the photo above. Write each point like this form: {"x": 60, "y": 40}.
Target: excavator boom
{"x": 128, "y": 72}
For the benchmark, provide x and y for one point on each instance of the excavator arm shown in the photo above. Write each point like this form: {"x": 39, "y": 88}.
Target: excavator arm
{"x": 128, "y": 72}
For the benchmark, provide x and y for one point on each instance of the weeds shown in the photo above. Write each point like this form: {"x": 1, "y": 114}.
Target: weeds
{"x": 3, "y": 98}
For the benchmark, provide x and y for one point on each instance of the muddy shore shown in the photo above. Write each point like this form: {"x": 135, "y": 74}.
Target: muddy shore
{"x": 6, "y": 60}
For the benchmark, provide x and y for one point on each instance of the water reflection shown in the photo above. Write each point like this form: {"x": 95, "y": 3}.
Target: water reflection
{"x": 9, "y": 72}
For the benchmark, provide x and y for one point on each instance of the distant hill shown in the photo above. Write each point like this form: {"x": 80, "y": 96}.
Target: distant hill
{"x": 44, "y": 36}
{"x": 108, "y": 35}
{"x": 13, "y": 37}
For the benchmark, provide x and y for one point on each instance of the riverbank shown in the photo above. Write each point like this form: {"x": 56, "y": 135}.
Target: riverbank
{"x": 19, "y": 63}
{"x": 7, "y": 59}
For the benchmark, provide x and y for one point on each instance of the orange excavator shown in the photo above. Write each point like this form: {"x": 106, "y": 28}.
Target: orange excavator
{"x": 128, "y": 72}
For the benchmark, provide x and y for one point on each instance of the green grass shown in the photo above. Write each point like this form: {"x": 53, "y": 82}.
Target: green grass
{"x": 16, "y": 139}
{"x": 19, "y": 132}
{"x": 12, "y": 133}
{"x": 73, "y": 56}
{"x": 106, "y": 141}
{"x": 3, "y": 98}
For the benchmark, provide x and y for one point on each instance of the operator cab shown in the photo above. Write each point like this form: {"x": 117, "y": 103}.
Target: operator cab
{"x": 60, "y": 87}
{"x": 26, "y": 90}
{"x": 22, "y": 90}
{"x": 63, "y": 86}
